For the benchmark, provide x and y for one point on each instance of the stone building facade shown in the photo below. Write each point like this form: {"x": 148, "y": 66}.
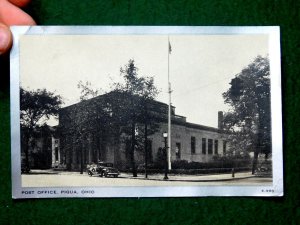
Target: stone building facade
{"x": 89, "y": 132}
{"x": 192, "y": 142}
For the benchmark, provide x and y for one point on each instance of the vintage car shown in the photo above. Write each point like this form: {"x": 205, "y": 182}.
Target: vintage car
{"x": 102, "y": 169}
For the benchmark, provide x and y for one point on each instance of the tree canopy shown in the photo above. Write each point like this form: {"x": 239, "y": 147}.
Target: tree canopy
{"x": 136, "y": 108}
{"x": 36, "y": 105}
{"x": 86, "y": 90}
{"x": 249, "y": 119}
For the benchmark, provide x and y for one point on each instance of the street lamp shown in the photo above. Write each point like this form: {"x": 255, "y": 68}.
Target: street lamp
{"x": 165, "y": 135}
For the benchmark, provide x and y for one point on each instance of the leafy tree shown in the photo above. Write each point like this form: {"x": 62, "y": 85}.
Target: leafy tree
{"x": 74, "y": 124}
{"x": 86, "y": 90}
{"x": 124, "y": 110}
{"x": 42, "y": 159}
{"x": 87, "y": 120}
{"x": 36, "y": 107}
{"x": 140, "y": 91}
{"x": 249, "y": 118}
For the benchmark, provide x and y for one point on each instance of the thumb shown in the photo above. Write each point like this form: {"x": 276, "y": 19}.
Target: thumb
{"x": 5, "y": 38}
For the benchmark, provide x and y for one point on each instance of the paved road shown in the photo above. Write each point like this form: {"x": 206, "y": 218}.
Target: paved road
{"x": 76, "y": 179}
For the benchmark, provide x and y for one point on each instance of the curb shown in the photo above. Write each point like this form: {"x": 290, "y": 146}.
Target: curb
{"x": 204, "y": 180}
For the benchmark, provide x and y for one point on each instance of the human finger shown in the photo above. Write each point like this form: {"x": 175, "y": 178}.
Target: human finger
{"x": 12, "y": 15}
{"x": 19, "y": 3}
{"x": 5, "y": 38}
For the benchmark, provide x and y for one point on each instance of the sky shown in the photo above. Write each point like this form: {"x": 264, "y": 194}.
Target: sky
{"x": 200, "y": 66}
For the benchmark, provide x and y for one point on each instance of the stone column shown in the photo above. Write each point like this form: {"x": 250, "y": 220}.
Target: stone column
{"x": 206, "y": 147}
{"x": 74, "y": 156}
{"x": 53, "y": 151}
{"x": 59, "y": 153}
{"x": 90, "y": 149}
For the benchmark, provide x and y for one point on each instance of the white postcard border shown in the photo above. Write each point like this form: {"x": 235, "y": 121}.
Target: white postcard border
{"x": 166, "y": 191}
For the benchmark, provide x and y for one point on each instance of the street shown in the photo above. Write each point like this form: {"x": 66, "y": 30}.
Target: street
{"x": 75, "y": 179}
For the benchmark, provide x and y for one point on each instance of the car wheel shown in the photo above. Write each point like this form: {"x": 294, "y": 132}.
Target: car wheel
{"x": 90, "y": 173}
{"x": 115, "y": 176}
{"x": 105, "y": 174}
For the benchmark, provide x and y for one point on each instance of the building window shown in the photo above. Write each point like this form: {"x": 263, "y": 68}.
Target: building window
{"x": 193, "y": 145}
{"x": 56, "y": 153}
{"x": 224, "y": 147}
{"x": 210, "y": 146}
{"x": 204, "y": 146}
{"x": 178, "y": 147}
{"x": 216, "y": 146}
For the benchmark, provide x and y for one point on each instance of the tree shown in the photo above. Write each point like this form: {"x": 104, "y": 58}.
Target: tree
{"x": 97, "y": 114}
{"x": 249, "y": 120}
{"x": 148, "y": 119}
{"x": 86, "y": 90}
{"x": 140, "y": 91}
{"x": 36, "y": 107}
{"x": 86, "y": 120}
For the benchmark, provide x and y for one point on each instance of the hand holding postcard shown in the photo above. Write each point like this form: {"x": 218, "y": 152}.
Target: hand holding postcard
{"x": 146, "y": 111}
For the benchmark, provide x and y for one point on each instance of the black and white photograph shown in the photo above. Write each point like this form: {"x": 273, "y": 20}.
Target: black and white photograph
{"x": 146, "y": 112}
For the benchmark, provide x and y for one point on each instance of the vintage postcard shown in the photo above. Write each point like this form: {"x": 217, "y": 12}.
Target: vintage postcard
{"x": 145, "y": 111}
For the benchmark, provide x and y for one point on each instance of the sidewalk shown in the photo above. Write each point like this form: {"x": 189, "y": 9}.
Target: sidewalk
{"x": 158, "y": 177}
{"x": 192, "y": 178}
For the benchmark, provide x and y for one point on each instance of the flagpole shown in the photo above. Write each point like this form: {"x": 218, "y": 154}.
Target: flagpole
{"x": 169, "y": 113}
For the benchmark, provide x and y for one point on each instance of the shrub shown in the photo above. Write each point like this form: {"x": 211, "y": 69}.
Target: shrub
{"x": 180, "y": 164}
{"x": 222, "y": 164}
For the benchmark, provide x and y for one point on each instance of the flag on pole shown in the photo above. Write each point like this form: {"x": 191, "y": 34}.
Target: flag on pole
{"x": 170, "y": 48}
{"x": 169, "y": 110}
